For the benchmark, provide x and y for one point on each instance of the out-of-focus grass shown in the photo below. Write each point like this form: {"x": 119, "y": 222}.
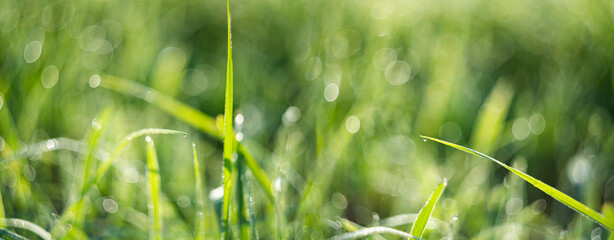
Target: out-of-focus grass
{"x": 331, "y": 97}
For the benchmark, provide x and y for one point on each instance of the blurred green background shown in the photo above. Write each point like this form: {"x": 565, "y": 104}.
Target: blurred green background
{"x": 328, "y": 94}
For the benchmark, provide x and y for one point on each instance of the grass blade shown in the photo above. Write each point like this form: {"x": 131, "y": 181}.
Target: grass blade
{"x": 228, "y": 136}
{"x": 200, "y": 216}
{"x": 417, "y": 229}
{"x": 553, "y": 192}
{"x": 154, "y": 204}
{"x": 372, "y": 230}
{"x": 19, "y": 223}
{"x": 9, "y": 235}
{"x": 88, "y": 164}
{"x": 68, "y": 213}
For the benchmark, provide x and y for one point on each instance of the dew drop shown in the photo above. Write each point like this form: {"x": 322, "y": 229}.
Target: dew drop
{"x": 424, "y": 139}
{"x": 148, "y": 139}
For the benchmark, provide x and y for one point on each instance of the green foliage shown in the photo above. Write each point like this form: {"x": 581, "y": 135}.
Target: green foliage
{"x": 323, "y": 120}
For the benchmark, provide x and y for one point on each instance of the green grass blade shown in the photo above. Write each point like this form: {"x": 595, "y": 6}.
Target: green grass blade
{"x": 228, "y": 135}
{"x": 1, "y": 210}
{"x": 200, "y": 216}
{"x": 154, "y": 205}
{"x": 9, "y": 235}
{"x": 373, "y": 230}
{"x": 553, "y": 192}
{"x": 68, "y": 213}
{"x": 424, "y": 215}
{"x": 189, "y": 115}
{"x": 93, "y": 141}
{"x": 19, "y": 223}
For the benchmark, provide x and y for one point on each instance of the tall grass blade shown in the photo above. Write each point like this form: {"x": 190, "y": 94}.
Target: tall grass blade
{"x": 373, "y": 230}
{"x": 153, "y": 202}
{"x": 200, "y": 216}
{"x": 553, "y": 192}
{"x": 27, "y": 225}
{"x": 228, "y": 135}
{"x": 424, "y": 215}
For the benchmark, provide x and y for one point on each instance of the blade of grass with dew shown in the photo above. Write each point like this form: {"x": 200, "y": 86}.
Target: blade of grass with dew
{"x": 189, "y": 115}
{"x": 553, "y": 192}
{"x": 228, "y": 135}
{"x": 200, "y": 216}
{"x": 27, "y": 225}
{"x": 417, "y": 229}
{"x": 154, "y": 205}
{"x": 373, "y": 230}
{"x": 68, "y": 213}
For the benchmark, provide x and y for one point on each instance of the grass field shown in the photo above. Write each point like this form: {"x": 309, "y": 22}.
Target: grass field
{"x": 387, "y": 119}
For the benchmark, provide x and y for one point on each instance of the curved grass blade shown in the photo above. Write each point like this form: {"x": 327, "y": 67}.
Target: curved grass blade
{"x": 5, "y": 234}
{"x": 417, "y": 229}
{"x": 228, "y": 136}
{"x": 189, "y": 115}
{"x": 19, "y": 223}
{"x": 154, "y": 205}
{"x": 553, "y": 192}
{"x": 68, "y": 213}
{"x": 200, "y": 216}
{"x": 373, "y": 230}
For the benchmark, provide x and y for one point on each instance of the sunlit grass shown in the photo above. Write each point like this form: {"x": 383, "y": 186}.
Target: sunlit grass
{"x": 228, "y": 138}
{"x": 329, "y": 100}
